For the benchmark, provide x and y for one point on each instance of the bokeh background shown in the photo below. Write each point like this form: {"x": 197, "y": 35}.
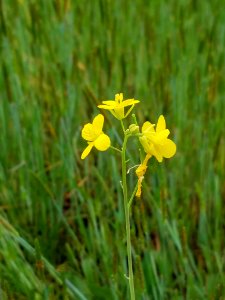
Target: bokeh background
{"x": 62, "y": 231}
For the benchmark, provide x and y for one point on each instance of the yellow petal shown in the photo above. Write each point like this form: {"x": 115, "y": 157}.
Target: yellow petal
{"x": 102, "y": 143}
{"x": 159, "y": 137}
{"x": 159, "y": 157}
{"x": 168, "y": 149}
{"x": 88, "y": 132}
{"x": 161, "y": 125}
{"x": 143, "y": 140}
{"x": 129, "y": 102}
{"x": 109, "y": 107}
{"x": 155, "y": 151}
{"x": 87, "y": 151}
{"x": 148, "y": 127}
{"x": 98, "y": 124}
{"x": 109, "y": 102}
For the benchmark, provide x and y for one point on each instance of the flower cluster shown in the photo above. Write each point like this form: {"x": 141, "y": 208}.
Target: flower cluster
{"x": 154, "y": 139}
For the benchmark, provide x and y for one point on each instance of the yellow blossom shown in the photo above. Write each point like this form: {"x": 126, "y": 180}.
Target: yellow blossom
{"x": 155, "y": 141}
{"x": 93, "y": 134}
{"x": 116, "y": 107}
{"x": 140, "y": 172}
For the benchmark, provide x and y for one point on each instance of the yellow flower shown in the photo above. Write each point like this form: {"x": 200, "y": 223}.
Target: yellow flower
{"x": 116, "y": 107}
{"x": 93, "y": 134}
{"x": 140, "y": 172}
{"x": 155, "y": 141}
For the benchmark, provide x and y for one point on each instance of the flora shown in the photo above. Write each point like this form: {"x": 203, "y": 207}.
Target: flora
{"x": 154, "y": 141}
{"x": 93, "y": 134}
{"x": 117, "y": 106}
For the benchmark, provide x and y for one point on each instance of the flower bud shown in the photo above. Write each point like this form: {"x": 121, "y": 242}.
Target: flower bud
{"x": 133, "y": 128}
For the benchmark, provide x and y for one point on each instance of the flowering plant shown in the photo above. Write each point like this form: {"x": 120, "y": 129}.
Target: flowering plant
{"x": 153, "y": 139}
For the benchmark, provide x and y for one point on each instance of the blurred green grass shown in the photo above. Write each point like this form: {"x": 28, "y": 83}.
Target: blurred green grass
{"x": 61, "y": 220}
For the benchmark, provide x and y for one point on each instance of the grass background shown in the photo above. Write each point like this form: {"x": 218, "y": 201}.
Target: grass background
{"x": 61, "y": 219}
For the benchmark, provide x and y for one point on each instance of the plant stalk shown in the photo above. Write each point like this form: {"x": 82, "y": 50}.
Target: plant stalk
{"x": 127, "y": 218}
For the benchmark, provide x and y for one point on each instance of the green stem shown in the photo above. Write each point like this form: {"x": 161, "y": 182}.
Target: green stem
{"x": 132, "y": 196}
{"x": 114, "y": 148}
{"x": 127, "y": 218}
{"x": 121, "y": 121}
